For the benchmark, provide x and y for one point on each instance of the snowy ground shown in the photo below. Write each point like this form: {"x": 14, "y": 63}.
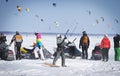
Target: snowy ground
{"x": 76, "y": 67}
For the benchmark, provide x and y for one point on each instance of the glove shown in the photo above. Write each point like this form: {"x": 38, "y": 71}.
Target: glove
{"x": 65, "y": 37}
{"x": 80, "y": 47}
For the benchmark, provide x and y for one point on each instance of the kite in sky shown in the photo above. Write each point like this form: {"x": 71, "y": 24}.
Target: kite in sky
{"x": 97, "y": 21}
{"x": 19, "y": 8}
{"x": 116, "y": 20}
{"x": 57, "y": 24}
{"x": 102, "y": 18}
{"x": 42, "y": 20}
{"x": 37, "y": 16}
{"x": 54, "y": 4}
{"x": 6, "y": 0}
{"x": 27, "y": 9}
{"x": 89, "y": 12}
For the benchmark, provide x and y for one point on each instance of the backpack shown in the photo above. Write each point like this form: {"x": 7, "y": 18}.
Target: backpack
{"x": 18, "y": 38}
{"x": 85, "y": 40}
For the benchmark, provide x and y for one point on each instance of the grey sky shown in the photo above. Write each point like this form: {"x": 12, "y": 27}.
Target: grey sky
{"x": 76, "y": 15}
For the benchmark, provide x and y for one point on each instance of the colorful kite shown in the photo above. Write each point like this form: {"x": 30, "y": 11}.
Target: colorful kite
{"x": 27, "y": 9}
{"x": 57, "y": 24}
{"x": 19, "y": 8}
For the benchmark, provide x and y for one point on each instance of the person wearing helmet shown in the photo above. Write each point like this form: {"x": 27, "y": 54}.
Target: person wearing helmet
{"x": 17, "y": 39}
{"x": 60, "y": 50}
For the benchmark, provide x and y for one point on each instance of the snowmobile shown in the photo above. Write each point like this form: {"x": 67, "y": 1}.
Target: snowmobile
{"x": 29, "y": 54}
{"x": 71, "y": 50}
{"x": 96, "y": 53}
{"x": 6, "y": 53}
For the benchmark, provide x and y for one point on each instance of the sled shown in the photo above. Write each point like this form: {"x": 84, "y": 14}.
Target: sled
{"x": 50, "y": 65}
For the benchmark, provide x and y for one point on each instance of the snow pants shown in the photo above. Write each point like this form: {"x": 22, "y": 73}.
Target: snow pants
{"x": 105, "y": 55}
{"x": 36, "y": 50}
{"x": 85, "y": 51}
{"x": 17, "y": 51}
{"x": 117, "y": 54}
{"x": 59, "y": 53}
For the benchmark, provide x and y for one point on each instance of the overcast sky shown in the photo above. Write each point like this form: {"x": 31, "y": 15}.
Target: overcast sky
{"x": 93, "y": 16}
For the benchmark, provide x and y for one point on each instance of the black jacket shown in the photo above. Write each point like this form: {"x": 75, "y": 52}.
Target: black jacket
{"x": 116, "y": 40}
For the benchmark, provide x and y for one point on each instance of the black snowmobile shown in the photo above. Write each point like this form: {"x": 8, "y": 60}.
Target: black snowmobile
{"x": 29, "y": 54}
{"x": 71, "y": 50}
{"x": 5, "y": 53}
{"x": 96, "y": 53}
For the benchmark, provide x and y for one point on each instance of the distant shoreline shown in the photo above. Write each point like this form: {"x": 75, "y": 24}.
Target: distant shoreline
{"x": 51, "y": 33}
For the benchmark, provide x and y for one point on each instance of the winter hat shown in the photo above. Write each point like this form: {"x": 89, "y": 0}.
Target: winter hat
{"x": 105, "y": 35}
{"x": 84, "y": 33}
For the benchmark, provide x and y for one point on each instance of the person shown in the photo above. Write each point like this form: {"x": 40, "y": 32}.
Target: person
{"x": 105, "y": 45}
{"x": 3, "y": 46}
{"x": 84, "y": 44}
{"x": 2, "y": 38}
{"x": 116, "y": 40}
{"x": 38, "y": 47}
{"x": 17, "y": 39}
{"x": 60, "y": 50}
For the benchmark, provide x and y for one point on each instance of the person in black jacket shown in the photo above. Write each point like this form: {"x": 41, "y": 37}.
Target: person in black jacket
{"x": 3, "y": 46}
{"x": 84, "y": 44}
{"x": 17, "y": 39}
{"x": 2, "y": 38}
{"x": 116, "y": 40}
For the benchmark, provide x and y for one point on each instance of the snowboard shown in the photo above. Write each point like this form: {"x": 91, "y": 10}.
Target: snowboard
{"x": 50, "y": 65}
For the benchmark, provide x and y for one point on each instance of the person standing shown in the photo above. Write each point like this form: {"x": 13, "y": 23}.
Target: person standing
{"x": 116, "y": 40}
{"x": 84, "y": 44}
{"x": 60, "y": 50}
{"x": 17, "y": 39}
{"x": 38, "y": 47}
{"x": 105, "y": 45}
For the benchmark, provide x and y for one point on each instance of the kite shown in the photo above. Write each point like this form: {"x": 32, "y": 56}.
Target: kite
{"x": 89, "y": 12}
{"x": 27, "y": 9}
{"x": 97, "y": 21}
{"x": 102, "y": 18}
{"x": 37, "y": 16}
{"x": 116, "y": 20}
{"x": 6, "y": 0}
{"x": 57, "y": 24}
{"x": 19, "y": 8}
{"x": 42, "y": 20}
{"x": 54, "y": 4}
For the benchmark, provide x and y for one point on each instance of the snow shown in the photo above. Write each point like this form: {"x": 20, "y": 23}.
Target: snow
{"x": 75, "y": 67}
